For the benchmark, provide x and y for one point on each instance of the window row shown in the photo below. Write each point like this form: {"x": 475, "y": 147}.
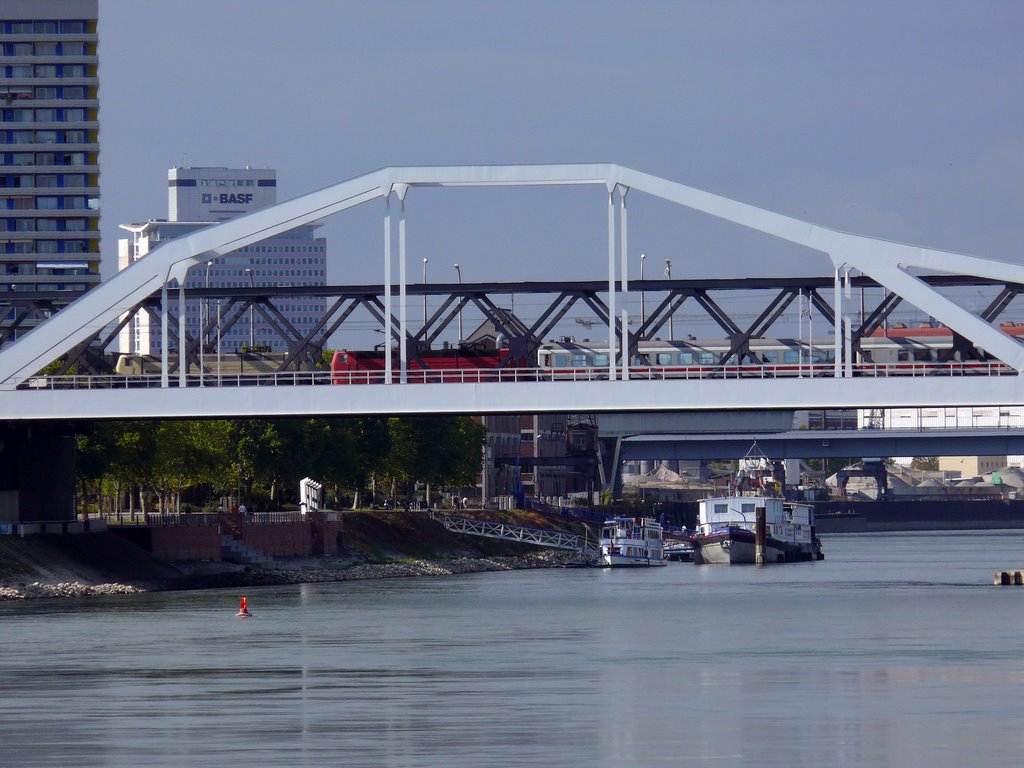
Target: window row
{"x": 47, "y": 180}
{"x": 284, "y": 249}
{"x": 44, "y": 224}
{"x": 34, "y": 268}
{"x": 77, "y": 136}
{"x": 49, "y": 70}
{"x": 45, "y": 203}
{"x": 47, "y": 27}
{"x": 45, "y": 92}
{"x": 44, "y": 158}
{"x": 47, "y": 115}
{"x": 45, "y": 288}
{"x": 48, "y": 246}
{"x": 47, "y": 49}
{"x": 39, "y": 225}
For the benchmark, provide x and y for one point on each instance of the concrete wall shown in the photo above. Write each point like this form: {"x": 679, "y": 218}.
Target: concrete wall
{"x": 186, "y": 542}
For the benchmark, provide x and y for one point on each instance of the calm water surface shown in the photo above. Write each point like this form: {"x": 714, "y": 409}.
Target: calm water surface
{"x": 896, "y": 650}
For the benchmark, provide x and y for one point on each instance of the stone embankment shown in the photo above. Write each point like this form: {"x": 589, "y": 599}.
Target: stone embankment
{"x": 65, "y": 589}
{"x": 301, "y": 573}
{"x": 406, "y": 569}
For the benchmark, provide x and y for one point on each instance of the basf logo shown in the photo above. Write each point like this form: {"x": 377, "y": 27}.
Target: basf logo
{"x": 227, "y": 198}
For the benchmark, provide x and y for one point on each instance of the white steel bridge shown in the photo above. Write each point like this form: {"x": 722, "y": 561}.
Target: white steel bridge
{"x": 913, "y": 274}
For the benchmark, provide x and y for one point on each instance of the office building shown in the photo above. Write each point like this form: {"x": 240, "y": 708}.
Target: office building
{"x": 197, "y": 198}
{"x": 49, "y": 158}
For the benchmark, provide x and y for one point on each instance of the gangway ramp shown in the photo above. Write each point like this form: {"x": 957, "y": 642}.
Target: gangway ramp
{"x": 540, "y": 537}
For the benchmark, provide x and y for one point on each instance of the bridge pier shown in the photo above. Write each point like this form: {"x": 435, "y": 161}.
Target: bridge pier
{"x": 37, "y": 472}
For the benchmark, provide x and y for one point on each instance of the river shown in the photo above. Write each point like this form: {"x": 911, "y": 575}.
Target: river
{"x": 894, "y": 651}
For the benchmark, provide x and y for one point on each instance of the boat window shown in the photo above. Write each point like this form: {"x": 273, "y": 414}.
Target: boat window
{"x": 721, "y": 509}
{"x": 561, "y": 360}
{"x": 748, "y": 509}
{"x": 686, "y": 358}
{"x": 770, "y": 356}
{"x": 664, "y": 358}
{"x": 579, "y": 360}
{"x": 707, "y": 358}
{"x": 790, "y": 356}
{"x": 600, "y": 360}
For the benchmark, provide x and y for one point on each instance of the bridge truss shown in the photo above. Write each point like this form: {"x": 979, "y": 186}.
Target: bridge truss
{"x": 907, "y": 273}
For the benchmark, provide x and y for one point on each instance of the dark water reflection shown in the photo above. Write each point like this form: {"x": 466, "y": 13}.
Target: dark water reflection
{"x": 894, "y": 651}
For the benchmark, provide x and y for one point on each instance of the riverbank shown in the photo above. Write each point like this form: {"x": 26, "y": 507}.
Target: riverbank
{"x": 379, "y": 545}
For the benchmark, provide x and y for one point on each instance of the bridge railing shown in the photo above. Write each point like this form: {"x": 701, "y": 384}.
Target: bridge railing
{"x": 488, "y": 375}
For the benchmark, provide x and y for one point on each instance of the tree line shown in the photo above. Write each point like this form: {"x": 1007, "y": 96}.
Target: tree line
{"x": 184, "y": 465}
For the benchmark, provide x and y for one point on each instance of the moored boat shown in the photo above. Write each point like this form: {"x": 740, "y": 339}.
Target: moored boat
{"x": 631, "y": 542}
{"x": 727, "y": 525}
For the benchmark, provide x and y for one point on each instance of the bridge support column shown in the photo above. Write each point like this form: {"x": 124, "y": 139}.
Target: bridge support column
{"x": 609, "y": 464}
{"x": 37, "y": 473}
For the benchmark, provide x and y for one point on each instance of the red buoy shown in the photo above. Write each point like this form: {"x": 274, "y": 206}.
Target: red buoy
{"x": 243, "y": 610}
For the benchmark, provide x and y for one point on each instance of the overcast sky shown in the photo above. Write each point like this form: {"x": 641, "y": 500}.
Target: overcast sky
{"x": 896, "y": 119}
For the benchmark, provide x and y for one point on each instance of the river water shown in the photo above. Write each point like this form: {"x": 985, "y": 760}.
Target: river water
{"x": 896, "y": 650}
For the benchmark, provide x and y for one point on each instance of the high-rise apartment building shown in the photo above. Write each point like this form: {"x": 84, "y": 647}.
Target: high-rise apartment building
{"x": 197, "y": 198}
{"x": 49, "y": 157}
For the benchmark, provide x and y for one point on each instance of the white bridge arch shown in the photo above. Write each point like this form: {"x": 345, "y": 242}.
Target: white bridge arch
{"x": 887, "y": 262}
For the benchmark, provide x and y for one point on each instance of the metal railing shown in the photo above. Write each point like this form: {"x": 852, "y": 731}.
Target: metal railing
{"x": 506, "y": 375}
{"x": 521, "y": 533}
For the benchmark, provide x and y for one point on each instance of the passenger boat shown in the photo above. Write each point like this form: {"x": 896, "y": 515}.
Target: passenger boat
{"x": 631, "y": 542}
{"x": 727, "y": 525}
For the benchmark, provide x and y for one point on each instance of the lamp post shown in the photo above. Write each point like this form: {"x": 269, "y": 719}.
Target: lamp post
{"x": 671, "y": 317}
{"x": 458, "y": 272}
{"x": 425, "y": 260}
{"x": 252, "y": 330}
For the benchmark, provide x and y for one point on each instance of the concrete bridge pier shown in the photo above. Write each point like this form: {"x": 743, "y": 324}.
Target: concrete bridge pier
{"x": 37, "y": 472}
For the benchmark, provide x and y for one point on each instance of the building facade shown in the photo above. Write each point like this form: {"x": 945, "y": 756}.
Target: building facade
{"x": 49, "y": 157}
{"x": 197, "y": 198}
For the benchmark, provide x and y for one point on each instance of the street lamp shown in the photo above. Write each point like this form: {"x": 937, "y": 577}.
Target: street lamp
{"x": 458, "y": 272}
{"x": 252, "y": 330}
{"x": 425, "y": 260}
{"x": 671, "y": 317}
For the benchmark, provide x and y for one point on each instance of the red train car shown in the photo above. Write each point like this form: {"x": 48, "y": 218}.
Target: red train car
{"x": 432, "y": 365}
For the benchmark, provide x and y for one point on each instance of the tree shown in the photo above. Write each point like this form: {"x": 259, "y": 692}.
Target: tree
{"x": 925, "y": 462}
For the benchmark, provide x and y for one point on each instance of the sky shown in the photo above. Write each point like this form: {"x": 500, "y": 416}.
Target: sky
{"x": 896, "y": 120}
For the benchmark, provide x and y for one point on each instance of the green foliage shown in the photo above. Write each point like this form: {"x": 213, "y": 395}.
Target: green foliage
{"x": 268, "y": 456}
{"x": 925, "y": 462}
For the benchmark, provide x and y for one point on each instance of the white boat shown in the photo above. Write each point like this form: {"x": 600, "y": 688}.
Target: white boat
{"x": 727, "y": 525}
{"x": 679, "y": 550}
{"x": 631, "y": 542}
